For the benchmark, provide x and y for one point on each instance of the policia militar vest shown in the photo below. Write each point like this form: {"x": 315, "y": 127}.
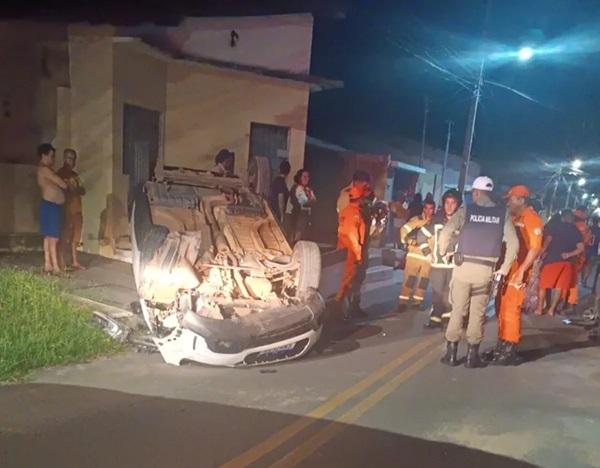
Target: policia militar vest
{"x": 482, "y": 232}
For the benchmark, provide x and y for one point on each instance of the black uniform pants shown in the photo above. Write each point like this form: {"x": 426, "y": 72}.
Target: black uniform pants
{"x": 440, "y": 287}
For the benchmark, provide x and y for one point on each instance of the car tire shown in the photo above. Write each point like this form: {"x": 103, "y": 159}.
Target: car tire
{"x": 153, "y": 240}
{"x": 308, "y": 256}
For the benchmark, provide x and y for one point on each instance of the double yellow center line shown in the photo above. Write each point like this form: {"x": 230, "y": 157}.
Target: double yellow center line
{"x": 309, "y": 446}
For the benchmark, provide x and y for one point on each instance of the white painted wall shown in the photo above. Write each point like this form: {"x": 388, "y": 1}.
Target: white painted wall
{"x": 279, "y": 42}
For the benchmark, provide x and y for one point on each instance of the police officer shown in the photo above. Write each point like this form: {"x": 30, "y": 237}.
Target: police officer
{"x": 482, "y": 227}
{"x": 441, "y": 267}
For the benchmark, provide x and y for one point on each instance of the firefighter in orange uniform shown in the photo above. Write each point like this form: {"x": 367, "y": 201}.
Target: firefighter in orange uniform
{"x": 352, "y": 236}
{"x": 580, "y": 260}
{"x": 530, "y": 229}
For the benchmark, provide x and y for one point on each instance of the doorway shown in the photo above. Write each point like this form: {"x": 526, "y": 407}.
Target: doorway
{"x": 269, "y": 141}
{"x": 141, "y": 142}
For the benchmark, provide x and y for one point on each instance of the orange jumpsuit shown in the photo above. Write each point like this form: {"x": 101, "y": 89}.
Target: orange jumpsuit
{"x": 530, "y": 229}
{"x": 351, "y": 236}
{"x": 580, "y": 261}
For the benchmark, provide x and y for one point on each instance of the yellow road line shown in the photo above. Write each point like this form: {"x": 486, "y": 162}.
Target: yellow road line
{"x": 311, "y": 445}
{"x": 282, "y": 436}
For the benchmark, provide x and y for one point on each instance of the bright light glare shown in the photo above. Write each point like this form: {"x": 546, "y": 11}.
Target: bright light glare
{"x": 584, "y": 196}
{"x": 576, "y": 164}
{"x": 525, "y": 53}
{"x": 581, "y": 182}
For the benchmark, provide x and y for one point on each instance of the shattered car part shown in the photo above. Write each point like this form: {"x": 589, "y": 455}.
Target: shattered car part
{"x": 218, "y": 281}
{"x": 116, "y": 330}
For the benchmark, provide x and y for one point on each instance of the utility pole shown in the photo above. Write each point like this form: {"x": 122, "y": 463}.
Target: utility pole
{"x": 470, "y": 130}
{"x": 426, "y": 113}
{"x": 551, "y": 208}
{"x": 569, "y": 189}
{"x": 445, "y": 166}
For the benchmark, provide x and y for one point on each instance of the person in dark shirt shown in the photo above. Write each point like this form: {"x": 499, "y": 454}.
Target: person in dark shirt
{"x": 562, "y": 244}
{"x": 279, "y": 194}
{"x": 415, "y": 207}
{"x": 592, "y": 254}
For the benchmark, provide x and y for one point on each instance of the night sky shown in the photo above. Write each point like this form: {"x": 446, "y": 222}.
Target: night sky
{"x": 385, "y": 84}
{"x": 371, "y": 46}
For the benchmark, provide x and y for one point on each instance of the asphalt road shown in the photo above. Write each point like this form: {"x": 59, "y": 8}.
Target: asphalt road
{"x": 372, "y": 394}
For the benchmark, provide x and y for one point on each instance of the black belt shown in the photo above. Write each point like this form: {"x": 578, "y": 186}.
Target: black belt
{"x": 480, "y": 261}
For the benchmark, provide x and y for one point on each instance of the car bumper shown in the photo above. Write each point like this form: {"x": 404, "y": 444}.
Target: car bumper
{"x": 271, "y": 336}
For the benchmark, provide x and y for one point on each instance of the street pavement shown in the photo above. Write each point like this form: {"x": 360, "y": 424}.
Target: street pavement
{"x": 371, "y": 394}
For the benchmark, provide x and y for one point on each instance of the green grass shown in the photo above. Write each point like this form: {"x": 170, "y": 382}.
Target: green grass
{"x": 40, "y": 327}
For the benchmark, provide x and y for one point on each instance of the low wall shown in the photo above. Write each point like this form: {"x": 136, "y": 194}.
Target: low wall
{"x": 19, "y": 199}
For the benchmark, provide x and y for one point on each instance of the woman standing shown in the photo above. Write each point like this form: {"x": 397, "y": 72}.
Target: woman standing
{"x": 302, "y": 199}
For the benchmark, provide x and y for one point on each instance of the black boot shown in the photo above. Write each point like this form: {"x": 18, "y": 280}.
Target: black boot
{"x": 356, "y": 311}
{"x": 450, "y": 357}
{"x": 473, "y": 359}
{"x": 494, "y": 352}
{"x": 508, "y": 356}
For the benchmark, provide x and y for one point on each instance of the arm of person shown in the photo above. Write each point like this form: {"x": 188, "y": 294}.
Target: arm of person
{"x": 534, "y": 233}
{"x": 281, "y": 205}
{"x": 407, "y": 229}
{"x": 578, "y": 251}
{"x": 80, "y": 187}
{"x": 531, "y": 257}
{"x": 424, "y": 239}
{"x": 547, "y": 241}
{"x": 54, "y": 178}
{"x": 356, "y": 234}
{"x": 454, "y": 225}
{"x": 511, "y": 240}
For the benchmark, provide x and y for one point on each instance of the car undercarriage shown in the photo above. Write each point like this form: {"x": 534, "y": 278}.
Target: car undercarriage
{"x": 217, "y": 279}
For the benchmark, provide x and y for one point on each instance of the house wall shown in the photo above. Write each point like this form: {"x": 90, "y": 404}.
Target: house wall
{"x": 34, "y": 62}
{"x": 210, "y": 109}
{"x": 278, "y": 42}
{"x": 19, "y": 199}
{"x": 141, "y": 80}
{"x": 91, "y": 127}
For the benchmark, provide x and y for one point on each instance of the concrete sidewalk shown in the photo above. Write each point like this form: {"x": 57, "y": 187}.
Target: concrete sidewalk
{"x": 106, "y": 281}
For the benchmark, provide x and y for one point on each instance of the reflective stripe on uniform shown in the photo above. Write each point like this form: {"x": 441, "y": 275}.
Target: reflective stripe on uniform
{"x": 404, "y": 298}
{"x": 446, "y": 315}
{"x": 416, "y": 255}
{"x": 418, "y": 298}
{"x": 426, "y": 231}
{"x": 433, "y": 318}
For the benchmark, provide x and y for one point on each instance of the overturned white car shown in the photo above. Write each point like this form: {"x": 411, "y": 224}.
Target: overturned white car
{"x": 218, "y": 282}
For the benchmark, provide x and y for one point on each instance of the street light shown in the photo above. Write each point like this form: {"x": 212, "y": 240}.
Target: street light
{"x": 581, "y": 182}
{"x": 525, "y": 54}
{"x": 576, "y": 164}
{"x": 584, "y": 196}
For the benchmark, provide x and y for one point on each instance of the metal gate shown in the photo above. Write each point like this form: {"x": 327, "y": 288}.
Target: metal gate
{"x": 269, "y": 141}
{"x": 140, "y": 145}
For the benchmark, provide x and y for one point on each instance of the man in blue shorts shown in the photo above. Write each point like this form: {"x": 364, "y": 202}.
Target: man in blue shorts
{"x": 53, "y": 197}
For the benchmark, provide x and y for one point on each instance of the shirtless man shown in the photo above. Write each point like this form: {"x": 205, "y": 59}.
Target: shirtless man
{"x": 53, "y": 197}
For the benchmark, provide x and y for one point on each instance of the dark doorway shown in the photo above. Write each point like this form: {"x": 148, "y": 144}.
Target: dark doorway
{"x": 269, "y": 141}
{"x": 141, "y": 139}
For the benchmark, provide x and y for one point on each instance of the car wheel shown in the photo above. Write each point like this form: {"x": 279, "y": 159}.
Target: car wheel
{"x": 308, "y": 256}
